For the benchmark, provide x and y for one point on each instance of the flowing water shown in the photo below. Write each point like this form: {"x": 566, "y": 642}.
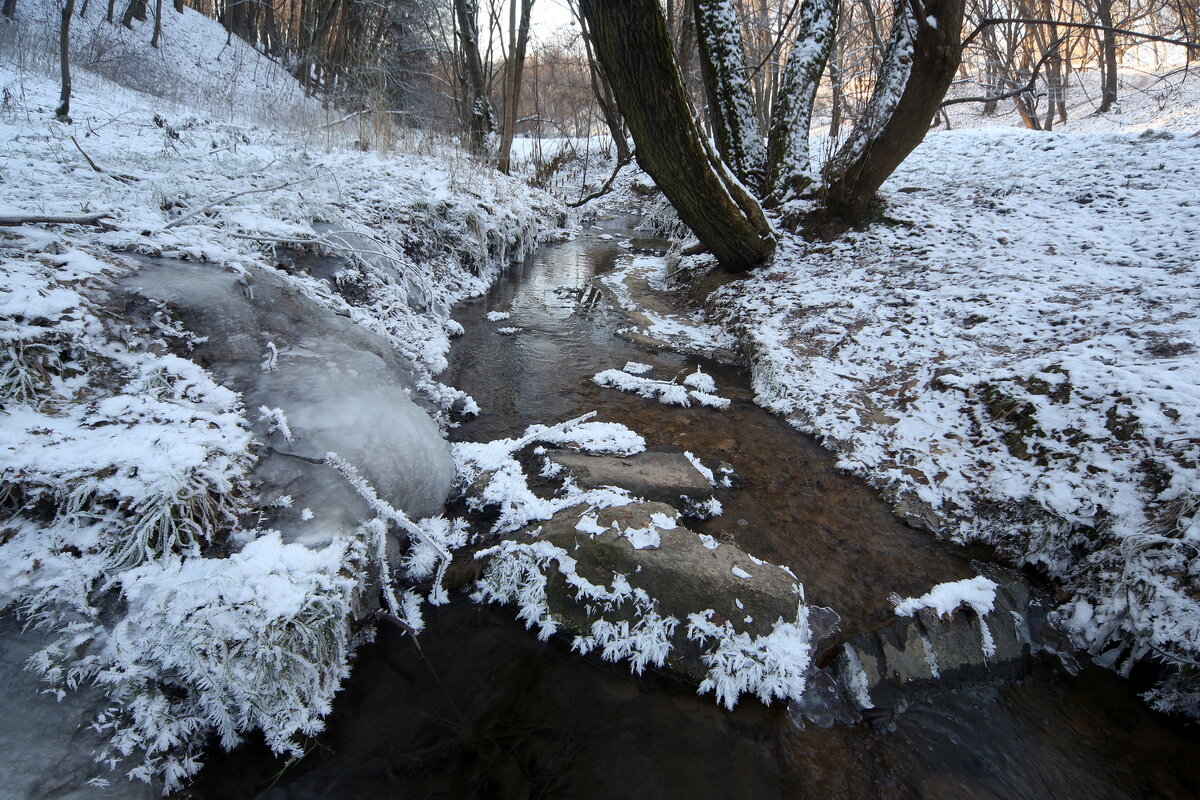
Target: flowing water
{"x": 485, "y": 710}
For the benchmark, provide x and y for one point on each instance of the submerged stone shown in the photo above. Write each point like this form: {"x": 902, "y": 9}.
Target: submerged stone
{"x": 927, "y": 654}
{"x": 657, "y": 476}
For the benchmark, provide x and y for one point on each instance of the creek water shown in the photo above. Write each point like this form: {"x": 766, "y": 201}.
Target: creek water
{"x": 485, "y": 710}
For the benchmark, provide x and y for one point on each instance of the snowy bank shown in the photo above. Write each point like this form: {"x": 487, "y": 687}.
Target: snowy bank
{"x": 135, "y": 536}
{"x": 1009, "y": 353}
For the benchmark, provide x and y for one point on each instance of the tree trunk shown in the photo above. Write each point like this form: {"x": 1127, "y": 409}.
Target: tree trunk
{"x": 10, "y": 8}
{"x": 178, "y": 6}
{"x": 918, "y": 66}
{"x": 1108, "y": 86}
{"x": 835, "y": 100}
{"x": 135, "y": 10}
{"x": 634, "y": 46}
{"x": 787, "y": 146}
{"x": 478, "y": 119}
{"x": 602, "y": 90}
{"x": 730, "y": 104}
{"x": 108, "y": 17}
{"x": 519, "y": 41}
{"x": 154, "y": 39}
{"x": 63, "y": 111}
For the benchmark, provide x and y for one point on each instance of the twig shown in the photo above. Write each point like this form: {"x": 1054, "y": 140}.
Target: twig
{"x": 603, "y": 190}
{"x": 81, "y": 219}
{"x": 1050, "y": 51}
{"x": 91, "y": 163}
{"x": 224, "y": 200}
{"x": 1082, "y": 25}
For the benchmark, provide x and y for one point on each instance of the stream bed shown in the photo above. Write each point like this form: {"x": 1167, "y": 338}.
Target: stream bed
{"x": 483, "y": 709}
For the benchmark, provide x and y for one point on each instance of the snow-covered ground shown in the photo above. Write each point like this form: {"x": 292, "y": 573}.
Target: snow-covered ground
{"x": 130, "y": 532}
{"x": 1010, "y": 354}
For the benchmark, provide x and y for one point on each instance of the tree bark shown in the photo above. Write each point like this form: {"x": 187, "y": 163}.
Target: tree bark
{"x": 634, "y": 46}
{"x": 63, "y": 111}
{"x": 730, "y": 104}
{"x": 70, "y": 219}
{"x": 519, "y": 41}
{"x": 922, "y": 56}
{"x": 154, "y": 39}
{"x": 478, "y": 119}
{"x": 135, "y": 10}
{"x": 787, "y": 146}
{"x": 1108, "y": 86}
{"x": 602, "y": 91}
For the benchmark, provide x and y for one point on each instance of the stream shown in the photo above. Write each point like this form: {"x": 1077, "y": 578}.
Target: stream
{"x": 485, "y": 710}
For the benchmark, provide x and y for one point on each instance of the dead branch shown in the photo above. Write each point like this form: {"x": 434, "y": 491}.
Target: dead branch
{"x": 69, "y": 219}
{"x": 224, "y": 200}
{"x": 603, "y": 190}
{"x": 1015, "y": 92}
{"x": 1084, "y": 25}
{"x": 91, "y": 163}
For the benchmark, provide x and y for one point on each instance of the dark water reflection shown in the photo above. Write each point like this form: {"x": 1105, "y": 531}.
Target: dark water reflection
{"x": 491, "y": 712}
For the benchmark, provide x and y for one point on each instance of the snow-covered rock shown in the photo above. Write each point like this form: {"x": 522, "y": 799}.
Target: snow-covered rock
{"x": 632, "y": 584}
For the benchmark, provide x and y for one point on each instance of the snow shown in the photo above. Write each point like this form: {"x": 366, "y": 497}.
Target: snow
{"x": 978, "y": 594}
{"x": 771, "y": 666}
{"x": 496, "y": 480}
{"x": 666, "y": 392}
{"x": 497, "y": 316}
{"x": 1009, "y": 355}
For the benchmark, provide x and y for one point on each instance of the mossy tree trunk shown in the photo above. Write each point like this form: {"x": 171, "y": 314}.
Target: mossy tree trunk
{"x": 922, "y": 55}
{"x": 634, "y": 46}
{"x": 787, "y": 146}
{"x": 730, "y": 102}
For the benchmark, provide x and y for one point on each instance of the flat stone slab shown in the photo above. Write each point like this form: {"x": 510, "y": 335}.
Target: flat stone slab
{"x": 656, "y": 476}
{"x": 927, "y": 654}
{"x": 631, "y": 583}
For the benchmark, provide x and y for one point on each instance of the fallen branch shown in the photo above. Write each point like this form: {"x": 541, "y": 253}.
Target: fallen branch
{"x": 603, "y": 190}
{"x": 78, "y": 219}
{"x": 91, "y": 163}
{"x": 224, "y": 200}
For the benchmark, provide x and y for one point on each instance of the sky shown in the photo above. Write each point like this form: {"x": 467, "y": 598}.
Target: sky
{"x": 548, "y": 16}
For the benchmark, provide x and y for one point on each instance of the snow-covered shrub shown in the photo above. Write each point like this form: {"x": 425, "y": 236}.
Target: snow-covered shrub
{"x": 256, "y": 641}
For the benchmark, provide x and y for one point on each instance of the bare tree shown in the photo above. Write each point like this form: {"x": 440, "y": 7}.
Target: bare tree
{"x": 730, "y": 104}
{"x": 632, "y": 42}
{"x": 157, "y": 24}
{"x": 518, "y": 42}
{"x": 478, "y": 119}
{"x": 63, "y": 110}
{"x": 787, "y": 149}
